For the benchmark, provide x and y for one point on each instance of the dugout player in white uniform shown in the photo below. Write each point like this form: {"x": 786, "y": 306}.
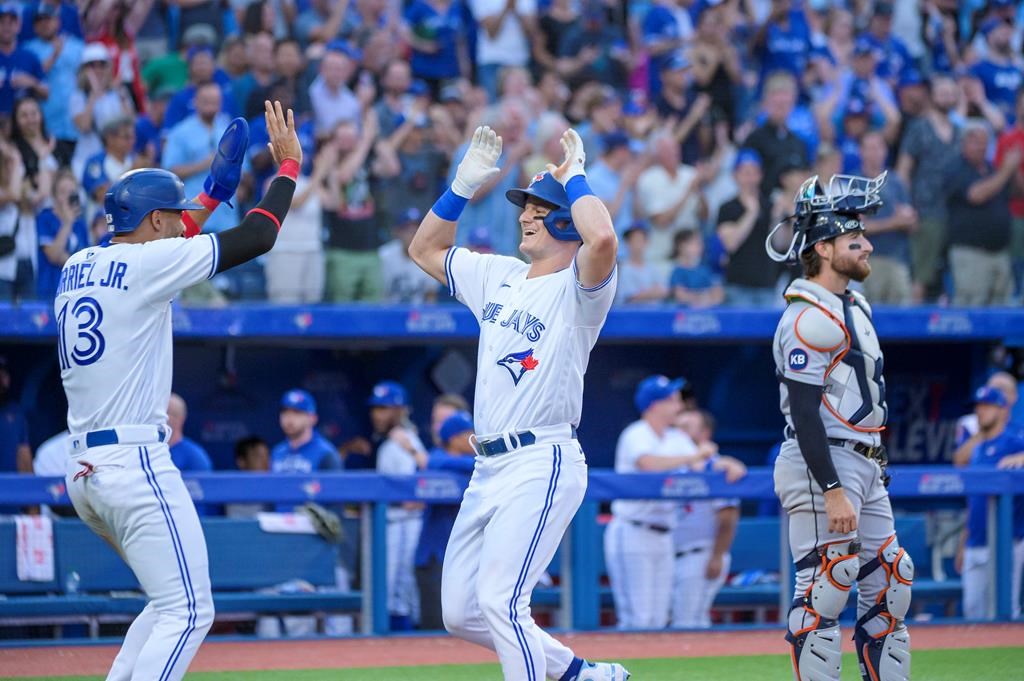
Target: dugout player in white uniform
{"x": 830, "y": 474}
{"x": 638, "y": 547}
{"x": 538, "y": 323}
{"x": 113, "y": 311}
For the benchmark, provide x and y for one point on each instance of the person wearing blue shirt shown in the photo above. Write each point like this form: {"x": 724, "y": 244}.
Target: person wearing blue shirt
{"x": 894, "y": 57}
{"x": 66, "y": 11}
{"x": 15, "y": 454}
{"x": 190, "y": 146}
{"x": 456, "y": 455}
{"x": 783, "y": 42}
{"x": 692, "y": 282}
{"x": 202, "y": 69}
{"x": 186, "y": 453}
{"x": 1000, "y": 73}
{"x": 304, "y": 450}
{"x": 60, "y": 55}
{"x": 60, "y": 232}
{"x": 435, "y": 30}
{"x": 1003, "y": 447}
{"x": 667, "y": 27}
{"x": 20, "y": 71}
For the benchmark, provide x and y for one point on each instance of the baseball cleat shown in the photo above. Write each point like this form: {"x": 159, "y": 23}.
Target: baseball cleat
{"x": 602, "y": 671}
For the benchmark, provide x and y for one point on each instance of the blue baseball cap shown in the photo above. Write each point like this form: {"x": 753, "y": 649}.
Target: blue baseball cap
{"x": 459, "y": 422}
{"x": 676, "y": 62}
{"x": 299, "y": 400}
{"x": 989, "y": 395}
{"x": 855, "y": 106}
{"x": 10, "y": 8}
{"x": 46, "y": 11}
{"x": 346, "y": 48}
{"x": 613, "y": 140}
{"x": 480, "y": 238}
{"x": 388, "y": 394}
{"x": 910, "y": 77}
{"x": 655, "y": 388}
{"x": 864, "y": 45}
{"x": 412, "y": 214}
{"x": 746, "y": 155}
{"x": 418, "y": 88}
{"x": 637, "y": 226}
{"x": 990, "y": 25}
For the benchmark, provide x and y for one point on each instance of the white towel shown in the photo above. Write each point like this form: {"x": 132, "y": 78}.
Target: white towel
{"x": 34, "y": 548}
{"x": 287, "y": 523}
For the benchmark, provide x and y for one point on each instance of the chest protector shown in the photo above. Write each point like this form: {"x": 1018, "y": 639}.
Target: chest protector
{"x": 854, "y": 391}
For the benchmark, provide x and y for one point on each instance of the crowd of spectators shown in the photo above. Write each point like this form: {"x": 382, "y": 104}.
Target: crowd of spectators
{"x": 701, "y": 118}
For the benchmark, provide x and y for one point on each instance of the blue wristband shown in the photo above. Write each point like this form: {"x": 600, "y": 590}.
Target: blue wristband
{"x": 576, "y": 188}
{"x": 449, "y": 206}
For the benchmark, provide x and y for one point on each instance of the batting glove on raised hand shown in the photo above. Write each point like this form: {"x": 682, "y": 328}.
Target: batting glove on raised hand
{"x": 226, "y": 169}
{"x": 575, "y": 158}
{"x": 480, "y": 163}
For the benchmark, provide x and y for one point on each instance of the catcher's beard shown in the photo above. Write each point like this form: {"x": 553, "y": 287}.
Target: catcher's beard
{"x": 850, "y": 265}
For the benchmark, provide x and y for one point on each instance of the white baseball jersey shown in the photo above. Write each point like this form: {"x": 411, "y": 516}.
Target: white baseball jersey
{"x": 639, "y": 439}
{"x": 392, "y": 459}
{"x": 535, "y": 339}
{"x": 697, "y": 522}
{"x": 113, "y": 312}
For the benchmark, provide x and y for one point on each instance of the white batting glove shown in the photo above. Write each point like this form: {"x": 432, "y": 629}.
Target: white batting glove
{"x": 575, "y": 158}
{"x": 479, "y": 164}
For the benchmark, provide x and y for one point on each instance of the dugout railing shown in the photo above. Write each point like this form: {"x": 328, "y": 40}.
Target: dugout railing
{"x": 579, "y": 594}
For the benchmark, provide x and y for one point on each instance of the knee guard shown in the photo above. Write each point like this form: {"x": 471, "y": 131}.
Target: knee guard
{"x": 885, "y": 655}
{"x": 816, "y": 651}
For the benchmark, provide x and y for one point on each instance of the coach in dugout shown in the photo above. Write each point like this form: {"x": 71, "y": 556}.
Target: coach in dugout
{"x": 638, "y": 546}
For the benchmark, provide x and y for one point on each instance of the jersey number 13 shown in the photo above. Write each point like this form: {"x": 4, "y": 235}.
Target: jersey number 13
{"x": 86, "y": 342}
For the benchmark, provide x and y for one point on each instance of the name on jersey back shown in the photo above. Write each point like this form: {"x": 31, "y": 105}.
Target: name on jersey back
{"x": 83, "y": 275}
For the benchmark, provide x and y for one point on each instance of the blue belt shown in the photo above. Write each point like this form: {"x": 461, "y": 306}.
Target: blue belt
{"x": 100, "y": 438}
{"x": 523, "y": 438}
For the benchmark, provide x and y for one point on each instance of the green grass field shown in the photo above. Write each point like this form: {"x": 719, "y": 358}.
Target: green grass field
{"x": 973, "y": 664}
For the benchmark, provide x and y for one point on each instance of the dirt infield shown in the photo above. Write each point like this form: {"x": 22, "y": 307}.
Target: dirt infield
{"x": 421, "y": 650}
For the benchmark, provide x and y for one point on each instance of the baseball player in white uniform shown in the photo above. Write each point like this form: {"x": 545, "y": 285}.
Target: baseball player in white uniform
{"x": 638, "y": 546}
{"x": 113, "y": 311}
{"x": 538, "y": 323}
{"x": 703, "y": 534}
{"x": 830, "y": 474}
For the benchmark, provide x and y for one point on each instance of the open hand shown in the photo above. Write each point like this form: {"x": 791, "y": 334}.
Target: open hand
{"x": 284, "y": 143}
{"x": 575, "y": 158}
{"x": 480, "y": 163}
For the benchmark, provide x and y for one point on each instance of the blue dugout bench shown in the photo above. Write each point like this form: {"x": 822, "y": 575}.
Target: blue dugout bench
{"x": 244, "y": 559}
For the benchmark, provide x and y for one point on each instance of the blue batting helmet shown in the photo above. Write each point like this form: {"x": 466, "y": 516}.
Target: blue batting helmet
{"x": 138, "y": 193}
{"x": 546, "y": 188}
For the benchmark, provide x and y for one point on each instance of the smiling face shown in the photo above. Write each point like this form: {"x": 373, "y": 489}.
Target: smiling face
{"x": 536, "y": 240}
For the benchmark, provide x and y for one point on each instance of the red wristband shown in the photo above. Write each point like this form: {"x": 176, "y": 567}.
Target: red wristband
{"x": 270, "y": 215}
{"x": 191, "y": 228}
{"x": 208, "y": 202}
{"x": 289, "y": 168}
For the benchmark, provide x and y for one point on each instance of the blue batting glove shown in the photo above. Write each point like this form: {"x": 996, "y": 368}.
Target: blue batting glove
{"x": 226, "y": 169}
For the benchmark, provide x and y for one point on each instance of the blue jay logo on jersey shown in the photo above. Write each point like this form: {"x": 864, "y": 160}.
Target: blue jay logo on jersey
{"x": 518, "y": 363}
{"x": 797, "y": 359}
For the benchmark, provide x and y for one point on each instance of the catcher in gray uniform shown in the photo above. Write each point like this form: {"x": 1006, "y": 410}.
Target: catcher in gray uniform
{"x": 830, "y": 475}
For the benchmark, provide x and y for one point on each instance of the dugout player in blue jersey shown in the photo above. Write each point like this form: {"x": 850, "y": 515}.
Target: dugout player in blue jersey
{"x": 1002, "y": 446}
{"x": 303, "y": 450}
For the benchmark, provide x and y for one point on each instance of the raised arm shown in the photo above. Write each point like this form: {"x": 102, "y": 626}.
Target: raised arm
{"x": 596, "y": 257}
{"x": 436, "y": 234}
{"x": 258, "y": 230}
{"x": 225, "y": 174}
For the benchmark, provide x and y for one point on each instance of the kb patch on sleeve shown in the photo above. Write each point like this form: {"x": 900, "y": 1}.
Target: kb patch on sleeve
{"x": 797, "y": 359}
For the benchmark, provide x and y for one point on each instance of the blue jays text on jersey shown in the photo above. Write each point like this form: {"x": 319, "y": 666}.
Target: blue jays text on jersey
{"x": 83, "y": 274}
{"x": 519, "y": 320}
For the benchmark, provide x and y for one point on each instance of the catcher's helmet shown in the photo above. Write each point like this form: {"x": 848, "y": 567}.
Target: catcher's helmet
{"x": 138, "y": 193}
{"x": 822, "y": 215}
{"x": 549, "y": 190}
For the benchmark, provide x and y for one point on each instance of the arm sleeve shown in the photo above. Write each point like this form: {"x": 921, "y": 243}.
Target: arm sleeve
{"x": 804, "y": 403}
{"x": 257, "y": 232}
{"x": 593, "y": 302}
